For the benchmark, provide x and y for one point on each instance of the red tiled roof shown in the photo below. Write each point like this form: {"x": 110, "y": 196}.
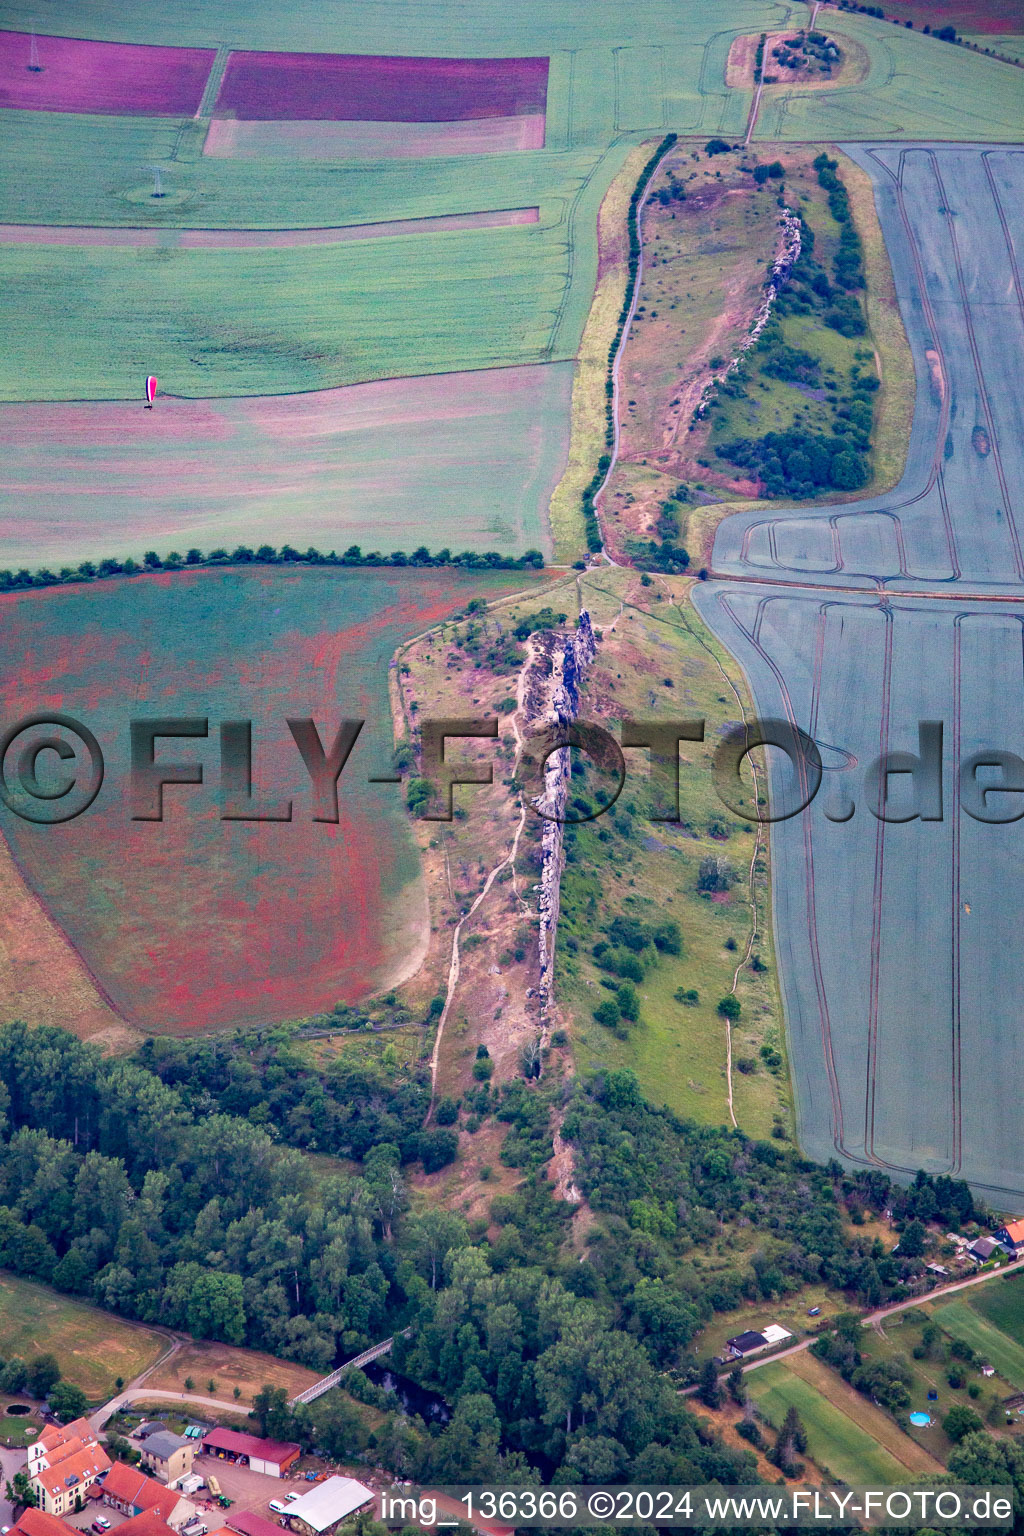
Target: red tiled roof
{"x": 251, "y": 1525}
{"x": 36, "y": 1522}
{"x": 149, "y": 1523}
{"x": 86, "y": 1462}
{"x": 130, "y": 1486}
{"x": 250, "y": 1445}
{"x": 1015, "y": 1231}
{"x": 56, "y": 1436}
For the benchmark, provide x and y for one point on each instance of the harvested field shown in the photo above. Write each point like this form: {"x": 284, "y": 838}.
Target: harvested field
{"x": 378, "y": 88}
{"x": 255, "y": 239}
{"x": 468, "y": 460}
{"x": 74, "y": 75}
{"x": 195, "y": 921}
{"x": 42, "y": 979}
{"x": 247, "y": 1369}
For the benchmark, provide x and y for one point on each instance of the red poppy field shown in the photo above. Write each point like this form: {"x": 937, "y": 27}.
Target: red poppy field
{"x": 123, "y": 79}
{"x": 196, "y": 922}
{"x": 332, "y": 87}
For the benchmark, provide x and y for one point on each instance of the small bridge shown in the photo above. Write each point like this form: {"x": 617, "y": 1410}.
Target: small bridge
{"x": 355, "y": 1364}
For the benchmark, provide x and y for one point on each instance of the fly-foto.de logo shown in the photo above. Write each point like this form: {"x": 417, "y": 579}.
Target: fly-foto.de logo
{"x": 52, "y": 769}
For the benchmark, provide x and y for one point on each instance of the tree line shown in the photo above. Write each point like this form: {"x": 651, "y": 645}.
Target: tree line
{"x": 267, "y": 554}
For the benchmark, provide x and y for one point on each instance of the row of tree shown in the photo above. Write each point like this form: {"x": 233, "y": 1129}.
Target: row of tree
{"x": 268, "y": 554}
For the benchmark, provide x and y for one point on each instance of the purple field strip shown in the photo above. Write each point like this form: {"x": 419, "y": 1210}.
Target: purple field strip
{"x": 71, "y": 74}
{"x": 338, "y": 87}
{"x": 257, "y": 239}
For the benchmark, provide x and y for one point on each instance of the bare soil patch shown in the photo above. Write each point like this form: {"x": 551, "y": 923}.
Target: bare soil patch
{"x": 228, "y": 1367}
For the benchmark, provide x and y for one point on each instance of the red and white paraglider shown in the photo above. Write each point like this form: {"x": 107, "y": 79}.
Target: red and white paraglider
{"x": 150, "y": 391}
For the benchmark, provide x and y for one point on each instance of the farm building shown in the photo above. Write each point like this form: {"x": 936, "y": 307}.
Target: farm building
{"x": 248, "y": 1524}
{"x": 167, "y": 1456}
{"x": 326, "y": 1505}
{"x": 272, "y": 1457}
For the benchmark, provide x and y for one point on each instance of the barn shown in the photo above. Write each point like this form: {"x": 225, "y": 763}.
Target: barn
{"x": 272, "y": 1457}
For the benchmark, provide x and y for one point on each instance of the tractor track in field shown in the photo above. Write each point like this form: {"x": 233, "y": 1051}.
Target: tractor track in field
{"x": 169, "y": 237}
{"x": 969, "y": 594}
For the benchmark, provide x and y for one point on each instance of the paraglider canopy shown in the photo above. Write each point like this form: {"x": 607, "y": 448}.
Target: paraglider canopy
{"x": 150, "y": 391}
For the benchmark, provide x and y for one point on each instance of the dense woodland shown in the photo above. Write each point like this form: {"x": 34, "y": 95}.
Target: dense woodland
{"x": 176, "y": 1200}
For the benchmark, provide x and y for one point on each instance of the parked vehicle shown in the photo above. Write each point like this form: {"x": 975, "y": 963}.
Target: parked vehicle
{"x": 277, "y": 1506}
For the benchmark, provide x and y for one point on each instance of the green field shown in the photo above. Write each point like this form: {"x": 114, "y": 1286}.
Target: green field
{"x": 90, "y": 324}
{"x": 1001, "y": 1303}
{"x": 1010, "y": 45}
{"x": 834, "y": 1441}
{"x": 92, "y": 1347}
{"x": 917, "y": 88}
{"x": 84, "y": 324}
{"x": 962, "y": 1320}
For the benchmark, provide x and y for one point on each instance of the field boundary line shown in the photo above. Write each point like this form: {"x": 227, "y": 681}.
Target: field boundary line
{"x": 213, "y": 82}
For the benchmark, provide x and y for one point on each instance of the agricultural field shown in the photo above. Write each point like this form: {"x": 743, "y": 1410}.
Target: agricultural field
{"x": 964, "y": 1320}
{"x": 287, "y": 917}
{"x": 838, "y": 1444}
{"x": 88, "y": 323}
{"x": 870, "y": 960}
{"x": 1001, "y": 1303}
{"x": 656, "y": 660}
{"x": 70, "y": 74}
{"x": 92, "y": 1347}
{"x": 467, "y": 460}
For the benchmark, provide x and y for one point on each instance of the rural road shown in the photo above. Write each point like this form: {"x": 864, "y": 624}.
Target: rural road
{"x": 871, "y": 1318}
{"x": 150, "y": 1394}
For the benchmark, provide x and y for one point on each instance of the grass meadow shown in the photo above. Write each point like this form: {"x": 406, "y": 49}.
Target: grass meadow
{"x": 1001, "y": 1303}
{"x": 657, "y": 659}
{"x": 92, "y": 1347}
